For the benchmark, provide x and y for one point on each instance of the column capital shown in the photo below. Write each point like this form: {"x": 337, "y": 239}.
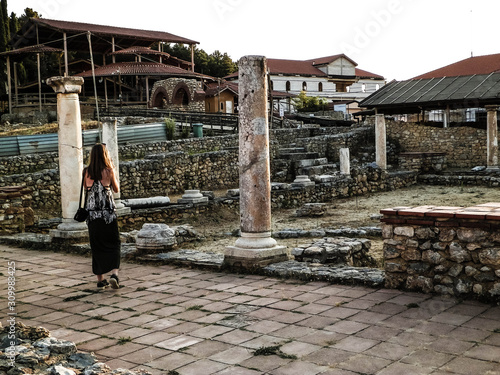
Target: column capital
{"x": 492, "y": 107}
{"x": 66, "y": 85}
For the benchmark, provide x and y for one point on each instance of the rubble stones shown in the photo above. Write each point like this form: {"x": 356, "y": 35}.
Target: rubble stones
{"x": 341, "y": 250}
{"x": 38, "y": 353}
{"x": 463, "y": 261}
{"x": 312, "y": 210}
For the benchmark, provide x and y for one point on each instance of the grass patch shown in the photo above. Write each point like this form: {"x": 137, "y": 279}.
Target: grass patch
{"x": 172, "y": 372}
{"x": 412, "y": 305}
{"x": 273, "y": 350}
{"x": 140, "y": 289}
{"x": 124, "y": 340}
{"x": 195, "y": 307}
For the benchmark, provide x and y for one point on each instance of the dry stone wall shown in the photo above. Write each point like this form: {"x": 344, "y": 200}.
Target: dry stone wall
{"x": 465, "y": 147}
{"x": 446, "y": 250}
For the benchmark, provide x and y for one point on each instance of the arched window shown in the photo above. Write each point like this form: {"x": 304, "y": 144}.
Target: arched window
{"x": 377, "y": 86}
{"x": 287, "y": 85}
{"x": 363, "y": 87}
{"x": 181, "y": 97}
{"x": 304, "y": 86}
{"x": 320, "y": 86}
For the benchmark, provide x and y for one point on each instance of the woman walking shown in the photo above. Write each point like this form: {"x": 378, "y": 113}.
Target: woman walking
{"x": 104, "y": 236}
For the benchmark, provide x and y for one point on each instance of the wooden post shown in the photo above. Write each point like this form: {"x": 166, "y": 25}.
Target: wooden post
{"x": 8, "y": 85}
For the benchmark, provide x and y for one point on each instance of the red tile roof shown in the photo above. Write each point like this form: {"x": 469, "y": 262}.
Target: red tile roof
{"x": 80, "y": 27}
{"x": 365, "y": 74}
{"x": 307, "y": 67}
{"x": 139, "y": 50}
{"x": 140, "y": 69}
{"x": 473, "y": 65}
{"x": 300, "y": 67}
{"x": 329, "y": 59}
{"x": 39, "y": 48}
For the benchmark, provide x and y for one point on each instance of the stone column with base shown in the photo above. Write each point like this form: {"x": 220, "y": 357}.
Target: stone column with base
{"x": 380, "y": 142}
{"x": 492, "y": 137}
{"x": 110, "y": 138}
{"x": 255, "y": 248}
{"x": 70, "y": 155}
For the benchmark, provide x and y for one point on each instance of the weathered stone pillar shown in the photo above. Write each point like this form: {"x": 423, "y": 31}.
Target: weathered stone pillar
{"x": 345, "y": 163}
{"x": 380, "y": 142}
{"x": 492, "y": 137}
{"x": 255, "y": 247}
{"x": 110, "y": 138}
{"x": 70, "y": 154}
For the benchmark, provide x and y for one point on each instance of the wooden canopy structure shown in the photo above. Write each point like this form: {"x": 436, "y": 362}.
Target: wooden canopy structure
{"x": 105, "y": 43}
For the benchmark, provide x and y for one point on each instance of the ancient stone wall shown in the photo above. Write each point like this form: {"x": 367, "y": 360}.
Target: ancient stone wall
{"x": 15, "y": 209}
{"x": 446, "y": 250}
{"x": 465, "y": 147}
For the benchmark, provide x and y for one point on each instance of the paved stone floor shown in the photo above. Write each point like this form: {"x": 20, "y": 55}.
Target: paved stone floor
{"x": 198, "y": 322}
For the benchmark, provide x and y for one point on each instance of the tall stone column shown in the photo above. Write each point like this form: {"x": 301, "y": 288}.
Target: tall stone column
{"x": 110, "y": 138}
{"x": 380, "y": 142}
{"x": 255, "y": 247}
{"x": 492, "y": 137}
{"x": 70, "y": 154}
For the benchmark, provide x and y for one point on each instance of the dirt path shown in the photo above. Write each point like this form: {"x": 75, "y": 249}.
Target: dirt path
{"x": 347, "y": 212}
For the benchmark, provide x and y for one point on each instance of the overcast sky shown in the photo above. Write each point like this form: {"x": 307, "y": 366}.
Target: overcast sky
{"x": 397, "y": 39}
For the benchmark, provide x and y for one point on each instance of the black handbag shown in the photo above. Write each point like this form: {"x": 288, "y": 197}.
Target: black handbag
{"x": 82, "y": 213}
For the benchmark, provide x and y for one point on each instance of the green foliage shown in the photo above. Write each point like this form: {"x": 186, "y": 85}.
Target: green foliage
{"x": 305, "y": 103}
{"x": 170, "y": 128}
{"x": 217, "y": 64}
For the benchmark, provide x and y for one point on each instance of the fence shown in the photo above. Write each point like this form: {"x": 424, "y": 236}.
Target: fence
{"x": 31, "y": 144}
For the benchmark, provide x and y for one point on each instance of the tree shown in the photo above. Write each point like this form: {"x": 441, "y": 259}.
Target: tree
{"x": 305, "y": 103}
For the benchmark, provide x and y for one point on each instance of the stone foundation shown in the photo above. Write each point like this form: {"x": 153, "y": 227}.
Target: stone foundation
{"x": 446, "y": 250}
{"x": 15, "y": 209}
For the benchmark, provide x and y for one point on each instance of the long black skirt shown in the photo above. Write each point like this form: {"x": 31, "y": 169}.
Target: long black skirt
{"x": 105, "y": 245}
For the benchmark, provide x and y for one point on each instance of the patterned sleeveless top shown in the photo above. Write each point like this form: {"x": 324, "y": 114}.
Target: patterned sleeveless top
{"x": 100, "y": 203}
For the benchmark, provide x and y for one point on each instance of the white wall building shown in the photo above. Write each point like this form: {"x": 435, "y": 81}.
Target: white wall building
{"x": 334, "y": 78}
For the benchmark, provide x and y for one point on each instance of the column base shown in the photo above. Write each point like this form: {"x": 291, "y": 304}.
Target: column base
{"x": 253, "y": 251}
{"x": 252, "y": 260}
{"x": 70, "y": 231}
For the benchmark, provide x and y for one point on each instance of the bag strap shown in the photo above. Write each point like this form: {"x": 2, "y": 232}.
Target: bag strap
{"x": 81, "y": 193}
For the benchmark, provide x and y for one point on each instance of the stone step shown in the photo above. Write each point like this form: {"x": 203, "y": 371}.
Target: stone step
{"x": 323, "y": 169}
{"x": 288, "y": 150}
{"x": 299, "y": 155}
{"x": 310, "y": 162}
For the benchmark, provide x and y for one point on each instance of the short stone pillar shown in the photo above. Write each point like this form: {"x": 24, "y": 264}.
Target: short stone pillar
{"x": 380, "y": 142}
{"x": 302, "y": 181}
{"x": 345, "y": 163}
{"x": 255, "y": 248}
{"x": 192, "y": 197}
{"x": 70, "y": 154}
{"x": 155, "y": 238}
{"x": 110, "y": 138}
{"x": 492, "y": 138}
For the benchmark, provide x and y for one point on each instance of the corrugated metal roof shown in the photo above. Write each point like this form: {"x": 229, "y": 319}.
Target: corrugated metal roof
{"x": 139, "y": 69}
{"x": 468, "y": 91}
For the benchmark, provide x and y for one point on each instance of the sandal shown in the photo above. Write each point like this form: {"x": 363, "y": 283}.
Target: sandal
{"x": 114, "y": 281}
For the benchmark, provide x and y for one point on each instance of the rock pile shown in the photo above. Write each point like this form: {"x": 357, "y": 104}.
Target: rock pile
{"x": 338, "y": 251}
{"x": 33, "y": 351}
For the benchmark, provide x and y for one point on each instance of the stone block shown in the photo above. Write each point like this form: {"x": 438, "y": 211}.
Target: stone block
{"x": 154, "y": 238}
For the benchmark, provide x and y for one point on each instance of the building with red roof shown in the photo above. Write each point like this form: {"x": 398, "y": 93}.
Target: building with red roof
{"x": 335, "y": 78}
